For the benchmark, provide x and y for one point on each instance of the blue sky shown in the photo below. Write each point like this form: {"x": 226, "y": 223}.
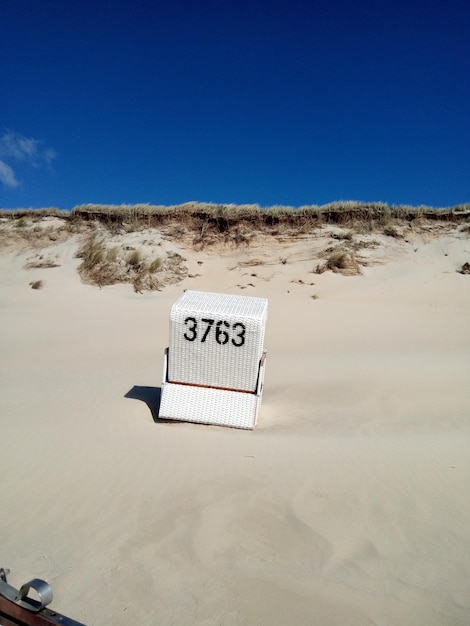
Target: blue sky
{"x": 241, "y": 101}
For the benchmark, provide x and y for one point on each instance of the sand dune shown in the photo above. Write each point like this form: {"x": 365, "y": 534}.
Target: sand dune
{"x": 347, "y": 505}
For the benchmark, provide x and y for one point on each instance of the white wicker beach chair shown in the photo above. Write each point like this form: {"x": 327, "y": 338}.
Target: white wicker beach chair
{"x": 214, "y": 367}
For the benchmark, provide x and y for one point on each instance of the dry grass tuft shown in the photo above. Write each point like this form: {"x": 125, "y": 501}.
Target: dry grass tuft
{"x": 41, "y": 264}
{"x": 21, "y": 223}
{"x": 251, "y": 263}
{"x": 155, "y": 265}
{"x": 134, "y": 258}
{"x": 340, "y": 260}
{"x": 102, "y": 265}
{"x": 392, "y": 231}
{"x": 93, "y": 252}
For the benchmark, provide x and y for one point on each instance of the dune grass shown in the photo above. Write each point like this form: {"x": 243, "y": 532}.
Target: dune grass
{"x": 105, "y": 264}
{"x": 18, "y": 214}
{"x": 223, "y": 216}
{"x": 207, "y": 219}
{"x": 202, "y": 225}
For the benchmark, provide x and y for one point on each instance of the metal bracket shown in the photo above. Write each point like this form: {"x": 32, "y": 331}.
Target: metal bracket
{"x": 21, "y": 597}
{"x": 43, "y": 590}
{"x": 22, "y": 607}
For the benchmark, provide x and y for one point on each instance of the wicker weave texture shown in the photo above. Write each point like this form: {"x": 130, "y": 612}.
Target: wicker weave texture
{"x": 209, "y": 406}
{"x": 216, "y": 340}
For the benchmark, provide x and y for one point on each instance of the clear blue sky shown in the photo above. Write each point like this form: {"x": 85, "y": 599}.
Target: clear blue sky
{"x": 243, "y": 101}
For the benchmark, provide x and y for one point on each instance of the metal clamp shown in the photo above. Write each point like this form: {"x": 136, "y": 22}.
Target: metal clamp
{"x": 21, "y": 597}
{"x": 28, "y": 611}
{"x": 43, "y": 590}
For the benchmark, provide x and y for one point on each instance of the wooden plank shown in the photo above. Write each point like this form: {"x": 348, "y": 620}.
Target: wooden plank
{"x": 13, "y": 615}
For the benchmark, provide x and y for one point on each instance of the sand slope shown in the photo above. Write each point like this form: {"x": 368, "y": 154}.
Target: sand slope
{"x": 348, "y": 505}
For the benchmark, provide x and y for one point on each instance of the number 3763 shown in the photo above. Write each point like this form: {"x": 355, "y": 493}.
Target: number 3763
{"x": 223, "y": 332}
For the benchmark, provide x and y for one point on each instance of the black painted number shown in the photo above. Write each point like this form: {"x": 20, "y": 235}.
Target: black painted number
{"x": 191, "y": 324}
{"x": 222, "y": 333}
{"x": 239, "y": 339}
{"x": 209, "y": 323}
{"x": 221, "y": 336}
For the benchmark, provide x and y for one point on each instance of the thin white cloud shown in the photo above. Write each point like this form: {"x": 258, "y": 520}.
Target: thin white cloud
{"x": 17, "y": 149}
{"x": 49, "y": 155}
{"x": 7, "y": 175}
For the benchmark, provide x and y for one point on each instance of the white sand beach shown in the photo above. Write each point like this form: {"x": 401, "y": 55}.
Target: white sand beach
{"x": 347, "y": 505}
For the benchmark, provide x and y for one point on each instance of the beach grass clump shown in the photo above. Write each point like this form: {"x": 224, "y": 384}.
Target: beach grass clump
{"x": 112, "y": 254}
{"x": 96, "y": 268}
{"x": 175, "y": 264}
{"x": 392, "y": 231}
{"x": 21, "y": 222}
{"x": 134, "y": 258}
{"x": 93, "y": 252}
{"x": 155, "y": 265}
{"x": 103, "y": 265}
{"x": 339, "y": 260}
{"x": 154, "y": 275}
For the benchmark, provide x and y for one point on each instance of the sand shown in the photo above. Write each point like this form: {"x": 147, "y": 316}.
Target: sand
{"x": 347, "y": 505}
